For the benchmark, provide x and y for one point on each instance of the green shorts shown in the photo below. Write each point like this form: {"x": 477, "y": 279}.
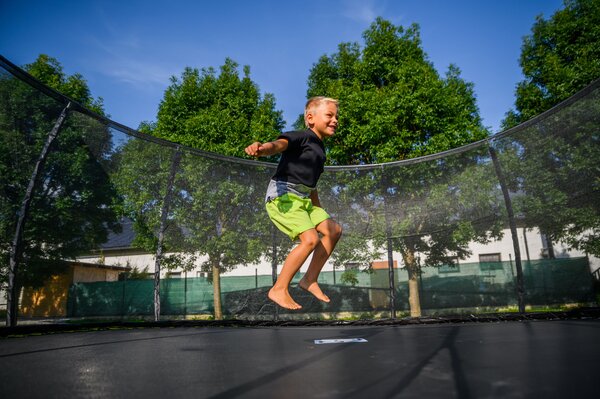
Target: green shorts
{"x": 294, "y": 215}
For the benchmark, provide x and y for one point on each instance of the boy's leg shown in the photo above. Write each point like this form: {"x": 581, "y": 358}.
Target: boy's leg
{"x": 297, "y": 256}
{"x": 331, "y": 232}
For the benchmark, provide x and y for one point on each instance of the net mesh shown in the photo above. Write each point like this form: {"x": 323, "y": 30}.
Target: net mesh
{"x": 433, "y": 229}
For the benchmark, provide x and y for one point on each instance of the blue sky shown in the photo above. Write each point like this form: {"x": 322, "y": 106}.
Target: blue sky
{"x": 127, "y": 50}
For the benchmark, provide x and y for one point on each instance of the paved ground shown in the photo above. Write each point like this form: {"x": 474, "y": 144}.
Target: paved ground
{"x": 518, "y": 359}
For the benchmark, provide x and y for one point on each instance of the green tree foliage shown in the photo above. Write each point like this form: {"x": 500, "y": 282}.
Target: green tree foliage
{"x": 220, "y": 114}
{"x": 135, "y": 274}
{"x": 216, "y": 212}
{"x": 553, "y": 163}
{"x": 552, "y": 167}
{"x": 50, "y": 72}
{"x": 140, "y": 174}
{"x": 73, "y": 207}
{"x": 394, "y": 105}
{"x": 560, "y": 57}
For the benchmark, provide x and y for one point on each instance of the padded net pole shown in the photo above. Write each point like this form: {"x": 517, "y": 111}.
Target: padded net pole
{"x": 390, "y": 259}
{"x": 274, "y": 266}
{"x": 164, "y": 211}
{"x": 513, "y": 228}
{"x": 16, "y": 246}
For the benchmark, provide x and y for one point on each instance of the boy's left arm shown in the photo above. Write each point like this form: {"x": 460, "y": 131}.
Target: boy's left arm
{"x": 314, "y": 197}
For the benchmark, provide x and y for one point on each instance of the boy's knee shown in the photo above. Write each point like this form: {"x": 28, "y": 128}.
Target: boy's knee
{"x": 337, "y": 230}
{"x": 310, "y": 238}
{"x": 334, "y": 229}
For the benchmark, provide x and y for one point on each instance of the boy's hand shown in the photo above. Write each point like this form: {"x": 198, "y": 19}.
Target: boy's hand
{"x": 257, "y": 149}
{"x": 254, "y": 149}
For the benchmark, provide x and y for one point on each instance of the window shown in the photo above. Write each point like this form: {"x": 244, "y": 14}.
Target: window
{"x": 489, "y": 262}
{"x": 489, "y": 258}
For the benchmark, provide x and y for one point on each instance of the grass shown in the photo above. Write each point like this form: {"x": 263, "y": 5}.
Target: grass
{"x": 106, "y": 320}
{"x": 542, "y": 309}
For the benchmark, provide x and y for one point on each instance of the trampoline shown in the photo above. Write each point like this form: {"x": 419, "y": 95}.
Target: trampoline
{"x": 422, "y": 212}
{"x": 504, "y": 359}
{"x": 447, "y": 233}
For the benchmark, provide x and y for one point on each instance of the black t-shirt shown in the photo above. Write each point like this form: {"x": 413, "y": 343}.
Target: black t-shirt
{"x": 304, "y": 159}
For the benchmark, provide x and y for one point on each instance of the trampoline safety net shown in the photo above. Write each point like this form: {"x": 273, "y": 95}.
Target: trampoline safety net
{"x": 512, "y": 218}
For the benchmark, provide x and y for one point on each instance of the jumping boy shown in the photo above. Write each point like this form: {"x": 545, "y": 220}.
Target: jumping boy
{"x": 292, "y": 200}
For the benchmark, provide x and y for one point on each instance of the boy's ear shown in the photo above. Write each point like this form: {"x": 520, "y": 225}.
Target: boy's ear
{"x": 309, "y": 118}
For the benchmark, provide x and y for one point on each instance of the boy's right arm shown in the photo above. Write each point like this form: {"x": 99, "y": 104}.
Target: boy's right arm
{"x": 257, "y": 149}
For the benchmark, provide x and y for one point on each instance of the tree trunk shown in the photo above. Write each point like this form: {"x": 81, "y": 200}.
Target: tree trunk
{"x": 412, "y": 268}
{"x": 549, "y": 247}
{"x": 216, "y": 277}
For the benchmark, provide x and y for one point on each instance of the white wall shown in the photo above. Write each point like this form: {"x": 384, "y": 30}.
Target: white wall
{"x": 504, "y": 246}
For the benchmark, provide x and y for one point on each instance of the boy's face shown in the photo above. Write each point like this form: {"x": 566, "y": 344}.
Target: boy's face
{"x": 323, "y": 119}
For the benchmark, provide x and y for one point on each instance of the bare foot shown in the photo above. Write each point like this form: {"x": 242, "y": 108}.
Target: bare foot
{"x": 283, "y": 299}
{"x": 314, "y": 289}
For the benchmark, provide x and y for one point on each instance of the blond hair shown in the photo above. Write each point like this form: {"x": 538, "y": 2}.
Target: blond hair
{"x": 314, "y": 102}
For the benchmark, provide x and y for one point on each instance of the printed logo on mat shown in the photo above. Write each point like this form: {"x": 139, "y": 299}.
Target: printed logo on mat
{"x": 339, "y": 341}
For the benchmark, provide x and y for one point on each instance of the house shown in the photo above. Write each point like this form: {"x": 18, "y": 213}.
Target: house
{"x": 118, "y": 251}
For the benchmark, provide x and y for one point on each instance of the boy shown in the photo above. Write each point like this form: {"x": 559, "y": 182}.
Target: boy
{"x": 292, "y": 200}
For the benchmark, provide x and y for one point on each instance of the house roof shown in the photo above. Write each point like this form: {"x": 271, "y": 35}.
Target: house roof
{"x": 122, "y": 240}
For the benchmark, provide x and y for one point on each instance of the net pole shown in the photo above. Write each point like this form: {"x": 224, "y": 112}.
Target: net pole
{"x": 390, "y": 258}
{"x": 274, "y": 266}
{"x": 390, "y": 255}
{"x": 513, "y": 228}
{"x": 16, "y": 247}
{"x": 185, "y": 290}
{"x": 161, "y": 231}
{"x": 123, "y": 288}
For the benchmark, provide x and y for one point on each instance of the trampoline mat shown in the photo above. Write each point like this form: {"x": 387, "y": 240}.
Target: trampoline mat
{"x": 516, "y": 359}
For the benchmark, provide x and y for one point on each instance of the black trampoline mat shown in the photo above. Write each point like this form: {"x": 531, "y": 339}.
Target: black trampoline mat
{"x": 525, "y": 359}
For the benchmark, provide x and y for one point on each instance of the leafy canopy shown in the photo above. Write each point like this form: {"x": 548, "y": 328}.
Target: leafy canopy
{"x": 73, "y": 206}
{"x": 220, "y": 114}
{"x": 560, "y": 57}
{"x": 393, "y": 103}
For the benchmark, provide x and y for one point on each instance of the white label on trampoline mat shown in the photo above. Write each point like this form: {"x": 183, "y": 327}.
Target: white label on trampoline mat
{"x": 339, "y": 340}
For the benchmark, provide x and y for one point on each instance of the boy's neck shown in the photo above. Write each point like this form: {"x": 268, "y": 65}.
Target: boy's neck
{"x": 315, "y": 133}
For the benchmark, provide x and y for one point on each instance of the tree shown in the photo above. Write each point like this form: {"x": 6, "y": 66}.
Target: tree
{"x": 552, "y": 163}
{"x": 219, "y": 114}
{"x": 73, "y": 208}
{"x": 220, "y": 210}
{"x": 50, "y": 72}
{"x": 395, "y": 106}
{"x": 559, "y": 58}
